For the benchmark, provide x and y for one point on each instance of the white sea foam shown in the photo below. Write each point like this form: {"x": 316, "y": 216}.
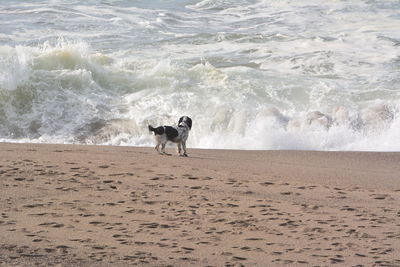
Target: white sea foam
{"x": 252, "y": 74}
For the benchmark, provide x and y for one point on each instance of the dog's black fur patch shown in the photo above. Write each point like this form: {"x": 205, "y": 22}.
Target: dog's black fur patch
{"x": 171, "y": 133}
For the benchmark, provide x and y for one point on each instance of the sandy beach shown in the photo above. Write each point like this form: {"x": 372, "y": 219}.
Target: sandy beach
{"x": 70, "y": 205}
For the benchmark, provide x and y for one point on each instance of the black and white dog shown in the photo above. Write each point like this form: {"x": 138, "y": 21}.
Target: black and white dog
{"x": 177, "y": 134}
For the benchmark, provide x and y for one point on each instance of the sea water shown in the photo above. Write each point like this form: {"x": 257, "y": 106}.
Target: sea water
{"x": 252, "y": 74}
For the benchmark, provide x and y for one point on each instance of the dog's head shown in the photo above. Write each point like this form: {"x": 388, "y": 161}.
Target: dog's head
{"x": 185, "y": 121}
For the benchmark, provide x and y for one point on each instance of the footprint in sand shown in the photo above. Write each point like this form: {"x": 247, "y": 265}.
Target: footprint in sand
{"x": 103, "y": 166}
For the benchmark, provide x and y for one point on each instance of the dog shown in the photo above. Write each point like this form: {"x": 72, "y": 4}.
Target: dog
{"x": 177, "y": 134}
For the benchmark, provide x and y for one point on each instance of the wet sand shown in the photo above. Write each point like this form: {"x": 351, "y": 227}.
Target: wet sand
{"x": 69, "y": 205}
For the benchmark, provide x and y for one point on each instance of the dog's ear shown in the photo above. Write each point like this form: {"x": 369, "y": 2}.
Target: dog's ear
{"x": 180, "y": 120}
{"x": 189, "y": 122}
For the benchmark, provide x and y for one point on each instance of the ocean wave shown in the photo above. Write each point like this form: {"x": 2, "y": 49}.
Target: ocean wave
{"x": 252, "y": 74}
{"x": 67, "y": 92}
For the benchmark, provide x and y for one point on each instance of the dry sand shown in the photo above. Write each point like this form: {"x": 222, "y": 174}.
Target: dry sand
{"x": 67, "y": 205}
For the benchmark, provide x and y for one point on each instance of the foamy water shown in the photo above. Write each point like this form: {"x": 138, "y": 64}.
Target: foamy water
{"x": 252, "y": 74}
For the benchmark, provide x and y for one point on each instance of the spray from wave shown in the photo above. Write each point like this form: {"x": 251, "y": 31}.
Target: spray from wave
{"x": 66, "y": 93}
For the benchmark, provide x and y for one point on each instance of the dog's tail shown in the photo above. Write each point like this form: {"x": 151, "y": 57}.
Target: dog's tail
{"x": 158, "y": 130}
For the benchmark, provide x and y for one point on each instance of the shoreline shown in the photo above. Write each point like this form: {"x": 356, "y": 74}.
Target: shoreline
{"x": 83, "y": 205}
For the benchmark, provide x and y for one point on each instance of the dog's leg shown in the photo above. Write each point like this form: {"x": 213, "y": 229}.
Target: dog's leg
{"x": 184, "y": 149}
{"x": 157, "y": 147}
{"x": 163, "y": 149}
{"x": 179, "y": 148}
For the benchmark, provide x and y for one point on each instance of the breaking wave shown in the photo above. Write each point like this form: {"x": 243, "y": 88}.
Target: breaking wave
{"x": 256, "y": 81}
